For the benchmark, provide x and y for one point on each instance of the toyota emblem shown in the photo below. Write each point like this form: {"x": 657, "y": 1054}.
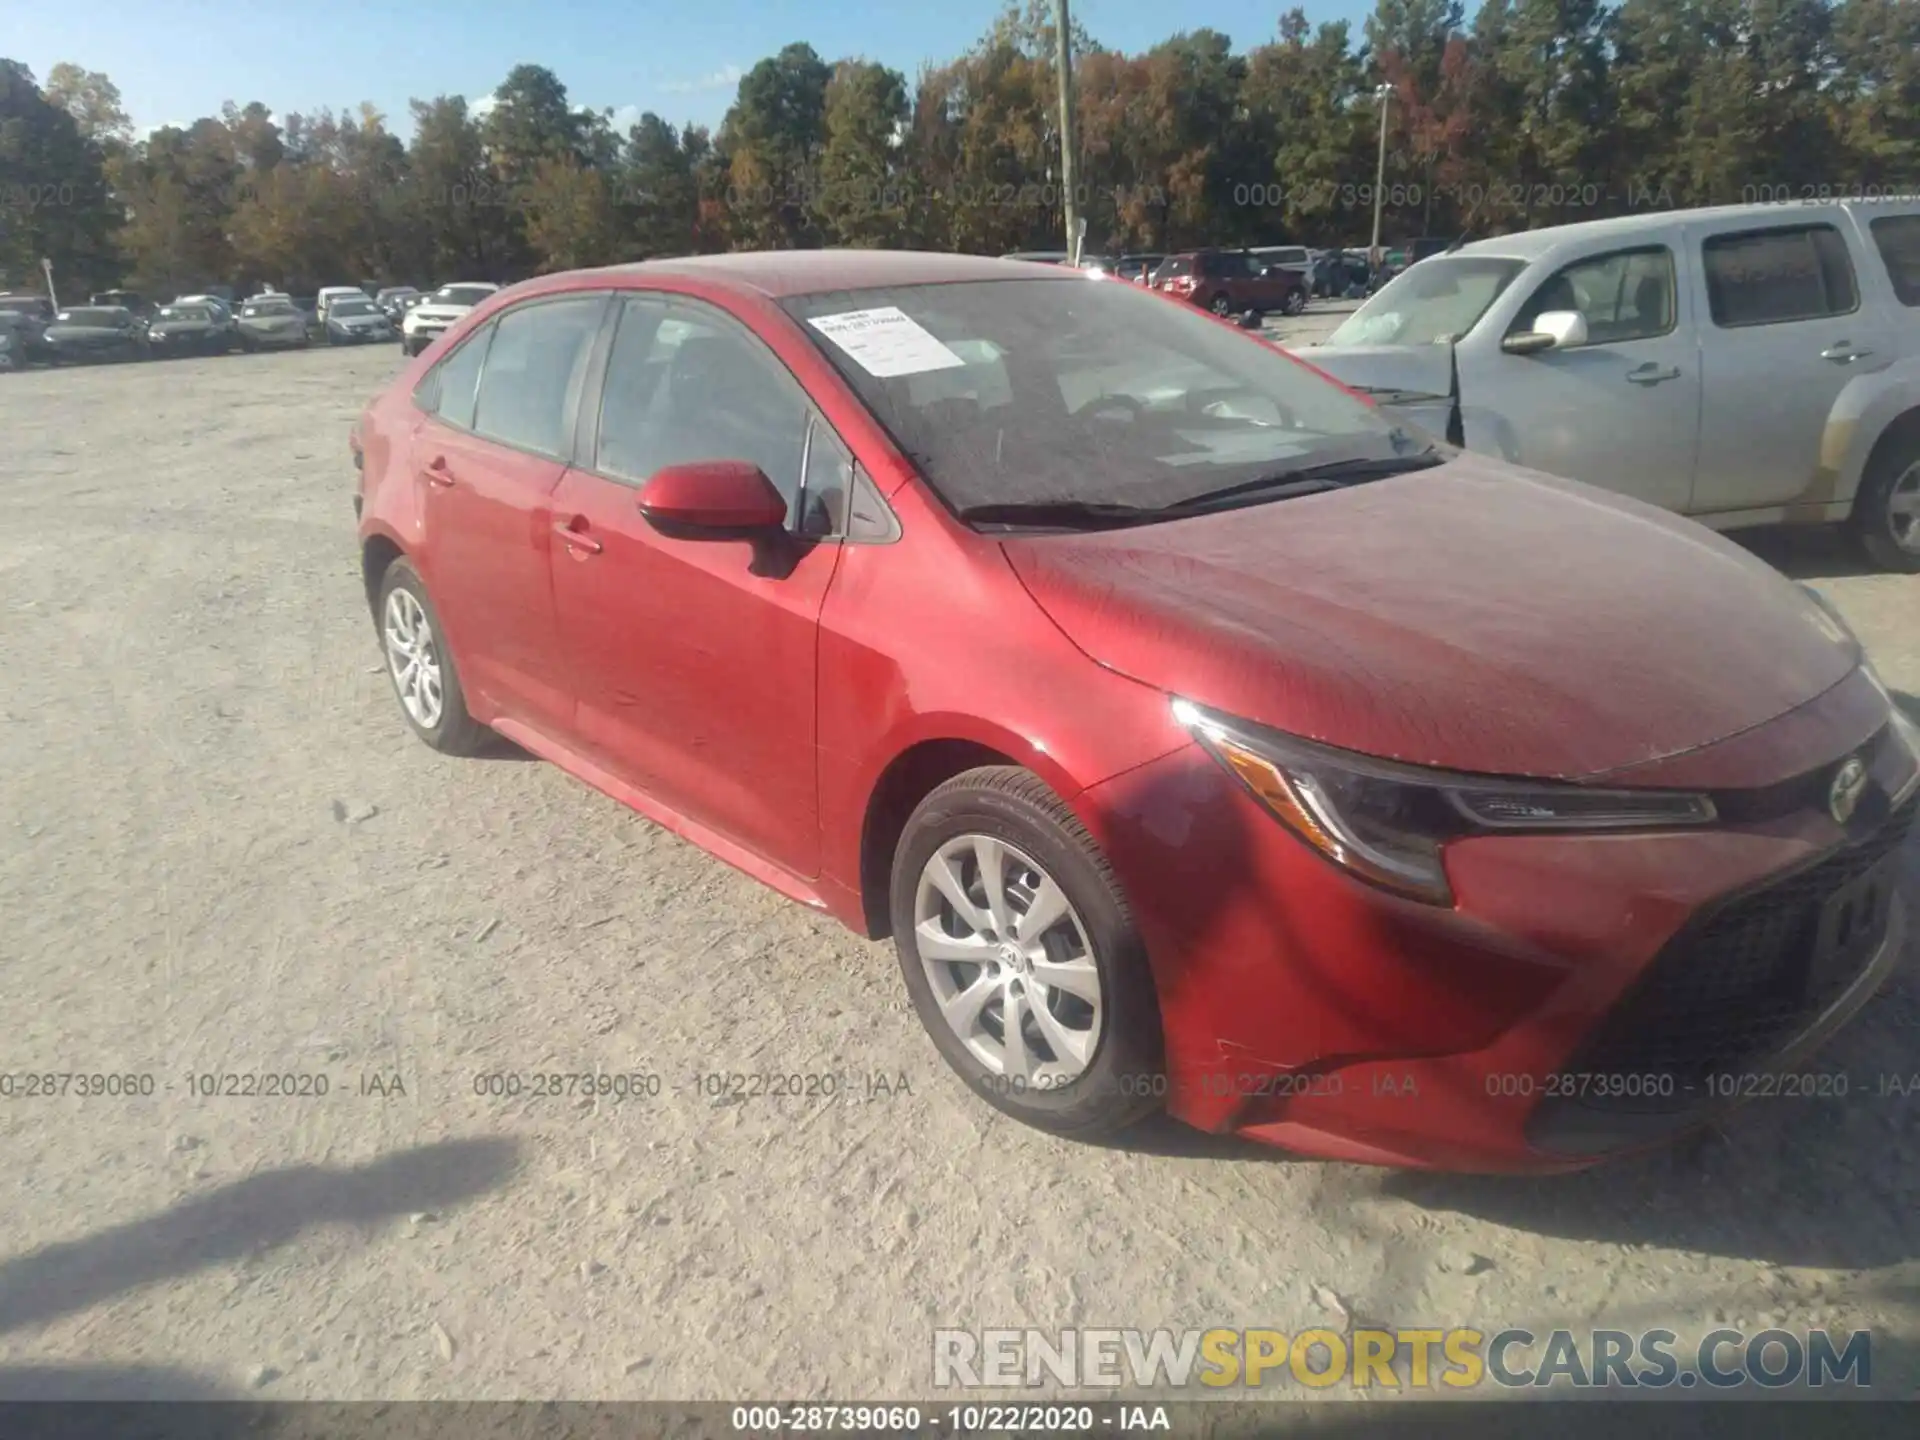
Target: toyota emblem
{"x": 1849, "y": 784}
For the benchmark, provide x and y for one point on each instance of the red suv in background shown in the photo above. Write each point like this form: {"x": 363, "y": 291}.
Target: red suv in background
{"x": 1231, "y": 282}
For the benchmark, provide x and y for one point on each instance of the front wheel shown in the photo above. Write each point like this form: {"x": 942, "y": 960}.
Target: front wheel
{"x": 1221, "y": 306}
{"x": 1296, "y": 301}
{"x": 1022, "y": 958}
{"x": 421, "y": 667}
{"x": 1886, "y": 514}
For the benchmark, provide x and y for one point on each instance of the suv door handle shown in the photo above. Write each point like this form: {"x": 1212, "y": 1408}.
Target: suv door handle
{"x": 1841, "y": 352}
{"x": 438, "y": 473}
{"x": 576, "y": 540}
{"x": 1652, "y": 374}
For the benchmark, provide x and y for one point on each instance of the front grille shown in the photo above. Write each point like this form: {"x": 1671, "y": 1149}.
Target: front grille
{"x": 1732, "y": 987}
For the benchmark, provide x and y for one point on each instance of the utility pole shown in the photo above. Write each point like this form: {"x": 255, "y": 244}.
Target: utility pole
{"x": 1384, "y": 94}
{"x": 1069, "y": 138}
{"x": 46, "y": 268}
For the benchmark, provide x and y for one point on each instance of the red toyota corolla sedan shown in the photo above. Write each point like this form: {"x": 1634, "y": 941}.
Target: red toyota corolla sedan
{"x": 1202, "y": 739}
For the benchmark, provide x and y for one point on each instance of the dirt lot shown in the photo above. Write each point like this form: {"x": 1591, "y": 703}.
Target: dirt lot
{"x": 221, "y": 851}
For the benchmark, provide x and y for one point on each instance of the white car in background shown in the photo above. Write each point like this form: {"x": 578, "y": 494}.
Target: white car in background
{"x": 428, "y": 320}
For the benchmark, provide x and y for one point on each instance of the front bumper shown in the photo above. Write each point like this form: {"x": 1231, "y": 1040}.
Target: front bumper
{"x": 1304, "y": 1009}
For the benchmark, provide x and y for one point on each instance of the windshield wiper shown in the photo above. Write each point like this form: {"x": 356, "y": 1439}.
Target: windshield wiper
{"x": 1310, "y": 479}
{"x": 1063, "y": 514}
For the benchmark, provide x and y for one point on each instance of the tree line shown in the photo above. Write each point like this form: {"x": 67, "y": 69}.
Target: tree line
{"x": 1534, "y": 112}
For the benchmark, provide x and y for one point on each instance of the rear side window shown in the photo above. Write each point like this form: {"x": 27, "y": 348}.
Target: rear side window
{"x": 1898, "y": 239}
{"x": 534, "y": 368}
{"x": 1771, "y": 277}
{"x": 451, "y": 386}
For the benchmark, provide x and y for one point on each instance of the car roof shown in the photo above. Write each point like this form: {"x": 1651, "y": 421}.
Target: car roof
{"x": 778, "y": 274}
{"x": 1531, "y": 244}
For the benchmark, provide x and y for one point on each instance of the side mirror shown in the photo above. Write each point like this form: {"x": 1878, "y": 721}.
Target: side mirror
{"x": 713, "y": 500}
{"x": 1552, "y": 330}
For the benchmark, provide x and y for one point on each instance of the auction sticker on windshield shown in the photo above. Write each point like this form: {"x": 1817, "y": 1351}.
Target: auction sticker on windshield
{"x": 886, "y": 342}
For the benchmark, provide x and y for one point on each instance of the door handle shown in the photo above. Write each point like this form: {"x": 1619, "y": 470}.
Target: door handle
{"x": 1841, "y": 352}
{"x": 438, "y": 473}
{"x": 1652, "y": 374}
{"x": 575, "y": 539}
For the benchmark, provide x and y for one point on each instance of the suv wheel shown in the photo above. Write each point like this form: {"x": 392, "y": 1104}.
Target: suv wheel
{"x": 1221, "y": 305}
{"x": 1022, "y": 958}
{"x": 1296, "y": 301}
{"x": 1886, "y": 514}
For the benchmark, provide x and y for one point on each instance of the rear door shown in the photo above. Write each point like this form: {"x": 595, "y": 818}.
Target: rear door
{"x": 1783, "y": 331}
{"x": 489, "y": 456}
{"x": 695, "y": 659}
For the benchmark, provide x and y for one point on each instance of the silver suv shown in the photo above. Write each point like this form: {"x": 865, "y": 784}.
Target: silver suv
{"x": 1745, "y": 365}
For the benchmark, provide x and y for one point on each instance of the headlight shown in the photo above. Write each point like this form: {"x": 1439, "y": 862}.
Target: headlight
{"x": 1386, "y": 822}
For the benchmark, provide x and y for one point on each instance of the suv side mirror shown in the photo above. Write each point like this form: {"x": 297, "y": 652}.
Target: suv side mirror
{"x": 713, "y": 500}
{"x": 1552, "y": 330}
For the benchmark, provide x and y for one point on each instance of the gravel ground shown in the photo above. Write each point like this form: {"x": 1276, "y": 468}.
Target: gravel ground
{"x": 221, "y": 851}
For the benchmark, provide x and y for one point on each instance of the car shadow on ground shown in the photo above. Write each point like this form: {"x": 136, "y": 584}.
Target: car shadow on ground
{"x": 261, "y": 1212}
{"x": 1807, "y": 552}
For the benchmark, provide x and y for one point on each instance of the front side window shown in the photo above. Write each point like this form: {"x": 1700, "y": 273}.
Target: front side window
{"x": 1430, "y": 303}
{"x": 451, "y": 386}
{"x": 534, "y": 369}
{"x": 1023, "y": 392}
{"x": 1773, "y": 277}
{"x": 686, "y": 383}
{"x": 1627, "y": 295}
{"x": 1897, "y": 237}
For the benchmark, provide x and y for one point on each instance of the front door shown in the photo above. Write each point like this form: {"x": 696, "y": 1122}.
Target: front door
{"x": 1621, "y": 411}
{"x": 695, "y": 674}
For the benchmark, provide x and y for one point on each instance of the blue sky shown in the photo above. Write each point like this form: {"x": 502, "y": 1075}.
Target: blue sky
{"x": 177, "y": 61}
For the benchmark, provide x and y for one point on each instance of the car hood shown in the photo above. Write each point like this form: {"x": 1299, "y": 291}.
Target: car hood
{"x": 84, "y": 332}
{"x": 182, "y": 327}
{"x": 439, "y": 312}
{"x": 1413, "y": 380}
{"x": 1474, "y": 616}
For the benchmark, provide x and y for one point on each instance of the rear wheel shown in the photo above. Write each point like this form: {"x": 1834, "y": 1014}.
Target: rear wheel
{"x": 420, "y": 666}
{"x": 1296, "y": 301}
{"x": 1221, "y": 305}
{"x": 1886, "y": 514}
{"x": 1022, "y": 958}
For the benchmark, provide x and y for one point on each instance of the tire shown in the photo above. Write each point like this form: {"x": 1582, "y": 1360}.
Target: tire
{"x": 1221, "y": 306}
{"x": 1296, "y": 302}
{"x": 1025, "y": 824}
{"x": 1894, "y": 471}
{"x": 452, "y": 731}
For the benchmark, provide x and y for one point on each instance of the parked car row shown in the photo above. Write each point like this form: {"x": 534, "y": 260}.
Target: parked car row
{"x": 122, "y": 325}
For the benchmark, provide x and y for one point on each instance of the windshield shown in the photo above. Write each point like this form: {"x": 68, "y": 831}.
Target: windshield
{"x": 396, "y": 294}
{"x": 1438, "y": 300}
{"x": 1072, "y": 391}
{"x": 92, "y": 317}
{"x": 460, "y": 295}
{"x": 254, "y": 308}
{"x": 184, "y": 312}
{"x": 351, "y": 307}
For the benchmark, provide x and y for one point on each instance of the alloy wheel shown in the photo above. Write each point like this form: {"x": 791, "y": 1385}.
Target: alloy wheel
{"x": 1009, "y": 960}
{"x": 414, "y": 658}
{"x": 1903, "y": 510}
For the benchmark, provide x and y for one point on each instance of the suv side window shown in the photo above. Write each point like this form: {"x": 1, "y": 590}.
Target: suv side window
{"x": 534, "y": 369}
{"x": 686, "y": 382}
{"x": 449, "y": 389}
{"x": 1897, "y": 237}
{"x": 1624, "y": 295}
{"x": 1771, "y": 277}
